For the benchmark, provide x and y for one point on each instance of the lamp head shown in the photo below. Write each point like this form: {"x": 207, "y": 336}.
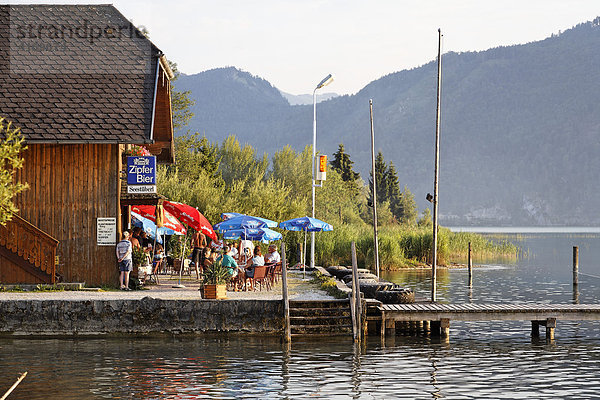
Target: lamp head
{"x": 326, "y": 81}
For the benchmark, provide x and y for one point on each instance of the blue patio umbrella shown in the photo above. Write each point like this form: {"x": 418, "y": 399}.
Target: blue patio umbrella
{"x": 263, "y": 234}
{"x": 229, "y": 215}
{"x": 147, "y": 226}
{"x": 306, "y": 224}
{"x": 244, "y": 222}
{"x": 150, "y": 228}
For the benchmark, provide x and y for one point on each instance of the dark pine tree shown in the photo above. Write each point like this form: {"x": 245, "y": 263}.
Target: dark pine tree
{"x": 342, "y": 164}
{"x": 393, "y": 194}
{"x": 381, "y": 180}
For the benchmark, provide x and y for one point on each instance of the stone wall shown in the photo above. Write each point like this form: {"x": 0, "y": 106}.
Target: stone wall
{"x": 145, "y": 316}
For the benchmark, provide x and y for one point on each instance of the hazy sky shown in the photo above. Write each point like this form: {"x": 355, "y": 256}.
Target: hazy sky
{"x": 295, "y": 43}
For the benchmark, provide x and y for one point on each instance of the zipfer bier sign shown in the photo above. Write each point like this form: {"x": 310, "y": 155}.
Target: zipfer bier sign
{"x": 141, "y": 174}
{"x": 141, "y": 170}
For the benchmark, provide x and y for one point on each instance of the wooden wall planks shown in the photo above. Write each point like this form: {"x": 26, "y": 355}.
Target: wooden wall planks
{"x": 71, "y": 185}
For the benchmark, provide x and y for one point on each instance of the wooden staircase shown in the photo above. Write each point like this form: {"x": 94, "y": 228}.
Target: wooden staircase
{"x": 320, "y": 317}
{"x": 26, "y": 253}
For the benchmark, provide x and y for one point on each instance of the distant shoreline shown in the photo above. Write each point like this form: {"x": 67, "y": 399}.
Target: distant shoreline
{"x": 525, "y": 229}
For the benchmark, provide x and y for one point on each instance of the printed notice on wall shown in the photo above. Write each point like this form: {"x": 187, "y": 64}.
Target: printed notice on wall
{"x": 106, "y": 231}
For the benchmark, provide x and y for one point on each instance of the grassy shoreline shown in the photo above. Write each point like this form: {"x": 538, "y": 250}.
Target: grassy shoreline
{"x": 402, "y": 247}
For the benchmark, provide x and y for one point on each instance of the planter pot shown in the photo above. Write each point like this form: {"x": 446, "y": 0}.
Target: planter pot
{"x": 217, "y": 292}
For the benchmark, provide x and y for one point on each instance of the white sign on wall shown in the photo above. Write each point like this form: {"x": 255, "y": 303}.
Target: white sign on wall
{"x": 141, "y": 189}
{"x": 106, "y": 231}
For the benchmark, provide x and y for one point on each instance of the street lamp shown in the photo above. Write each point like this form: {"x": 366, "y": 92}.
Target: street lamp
{"x": 326, "y": 81}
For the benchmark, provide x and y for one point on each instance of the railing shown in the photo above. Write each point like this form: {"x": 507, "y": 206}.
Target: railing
{"x": 31, "y": 244}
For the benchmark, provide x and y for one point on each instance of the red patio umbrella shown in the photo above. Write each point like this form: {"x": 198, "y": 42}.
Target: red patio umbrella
{"x": 169, "y": 220}
{"x": 190, "y": 216}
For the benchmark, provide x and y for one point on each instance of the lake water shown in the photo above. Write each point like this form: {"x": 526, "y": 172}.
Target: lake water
{"x": 482, "y": 360}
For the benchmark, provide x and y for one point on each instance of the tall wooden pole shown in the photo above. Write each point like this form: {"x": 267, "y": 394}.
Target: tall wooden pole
{"x": 437, "y": 165}
{"x": 470, "y": 265}
{"x": 376, "y": 242}
{"x": 287, "y": 336}
{"x": 356, "y": 299}
{"x": 575, "y": 265}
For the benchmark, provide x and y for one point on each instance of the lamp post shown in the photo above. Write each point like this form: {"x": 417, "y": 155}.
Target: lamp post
{"x": 437, "y": 168}
{"x": 326, "y": 81}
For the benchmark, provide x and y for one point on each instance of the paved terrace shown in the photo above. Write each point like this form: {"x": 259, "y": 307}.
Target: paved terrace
{"x": 298, "y": 289}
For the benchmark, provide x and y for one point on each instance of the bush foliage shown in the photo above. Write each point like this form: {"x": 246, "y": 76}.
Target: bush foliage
{"x": 231, "y": 177}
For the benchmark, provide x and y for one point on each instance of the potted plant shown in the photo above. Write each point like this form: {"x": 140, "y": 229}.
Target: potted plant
{"x": 138, "y": 257}
{"x": 215, "y": 281}
{"x": 176, "y": 250}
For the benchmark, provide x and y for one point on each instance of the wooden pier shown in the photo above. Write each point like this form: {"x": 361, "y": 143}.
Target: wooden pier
{"x": 435, "y": 317}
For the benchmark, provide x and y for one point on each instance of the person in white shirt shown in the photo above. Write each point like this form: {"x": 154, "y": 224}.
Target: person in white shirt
{"x": 272, "y": 255}
{"x": 246, "y": 250}
{"x": 124, "y": 251}
{"x": 233, "y": 252}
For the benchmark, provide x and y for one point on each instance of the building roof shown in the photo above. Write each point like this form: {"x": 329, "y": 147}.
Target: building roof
{"x": 80, "y": 73}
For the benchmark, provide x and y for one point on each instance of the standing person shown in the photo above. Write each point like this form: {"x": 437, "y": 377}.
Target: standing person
{"x": 272, "y": 256}
{"x": 144, "y": 240}
{"x": 198, "y": 245}
{"x": 135, "y": 238}
{"x": 124, "y": 250}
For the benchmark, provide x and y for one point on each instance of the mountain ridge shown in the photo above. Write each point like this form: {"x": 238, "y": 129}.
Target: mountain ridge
{"x": 506, "y": 115}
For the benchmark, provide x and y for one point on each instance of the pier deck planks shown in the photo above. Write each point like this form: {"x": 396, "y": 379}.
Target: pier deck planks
{"x": 489, "y": 312}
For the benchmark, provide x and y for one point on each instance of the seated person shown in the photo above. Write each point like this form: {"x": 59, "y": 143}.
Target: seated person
{"x": 246, "y": 248}
{"x": 255, "y": 261}
{"x": 272, "y": 256}
{"x": 205, "y": 258}
{"x": 228, "y": 261}
{"x": 158, "y": 256}
{"x": 233, "y": 252}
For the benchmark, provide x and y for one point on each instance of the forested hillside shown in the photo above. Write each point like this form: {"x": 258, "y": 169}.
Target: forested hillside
{"x": 520, "y": 127}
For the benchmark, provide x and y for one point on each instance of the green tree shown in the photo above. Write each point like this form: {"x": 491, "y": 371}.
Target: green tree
{"x": 10, "y": 160}
{"x": 408, "y": 207}
{"x": 381, "y": 182}
{"x": 240, "y": 163}
{"x": 195, "y": 155}
{"x": 343, "y": 165}
{"x": 425, "y": 221}
{"x": 181, "y": 103}
{"x": 393, "y": 195}
{"x": 294, "y": 171}
{"x": 336, "y": 201}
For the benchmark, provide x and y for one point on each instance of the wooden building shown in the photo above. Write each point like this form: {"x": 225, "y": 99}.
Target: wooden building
{"x": 83, "y": 84}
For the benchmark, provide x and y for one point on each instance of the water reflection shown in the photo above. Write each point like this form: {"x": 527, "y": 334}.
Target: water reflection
{"x": 496, "y": 359}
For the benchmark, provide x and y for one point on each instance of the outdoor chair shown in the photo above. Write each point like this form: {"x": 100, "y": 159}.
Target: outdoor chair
{"x": 157, "y": 267}
{"x": 270, "y": 277}
{"x": 277, "y": 272}
{"x": 260, "y": 276}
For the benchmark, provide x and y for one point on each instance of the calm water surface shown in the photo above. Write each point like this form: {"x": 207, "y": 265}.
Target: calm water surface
{"x": 497, "y": 360}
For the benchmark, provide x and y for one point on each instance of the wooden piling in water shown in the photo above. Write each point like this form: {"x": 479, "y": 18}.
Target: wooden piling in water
{"x": 356, "y": 303}
{"x": 470, "y": 264}
{"x": 287, "y": 336}
{"x": 575, "y": 265}
{"x": 535, "y": 329}
{"x": 550, "y": 326}
{"x": 444, "y": 327}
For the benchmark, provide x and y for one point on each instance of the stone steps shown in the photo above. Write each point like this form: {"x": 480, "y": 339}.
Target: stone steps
{"x": 320, "y": 317}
